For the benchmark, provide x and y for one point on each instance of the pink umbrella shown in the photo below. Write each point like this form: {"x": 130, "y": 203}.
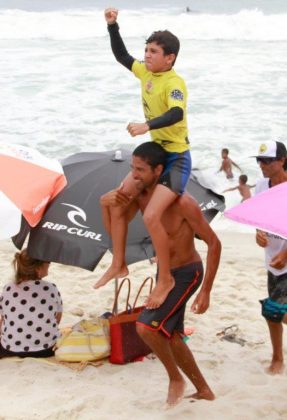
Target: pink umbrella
{"x": 28, "y": 182}
{"x": 266, "y": 211}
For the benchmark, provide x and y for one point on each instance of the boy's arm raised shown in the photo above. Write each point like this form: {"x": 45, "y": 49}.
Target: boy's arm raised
{"x": 117, "y": 44}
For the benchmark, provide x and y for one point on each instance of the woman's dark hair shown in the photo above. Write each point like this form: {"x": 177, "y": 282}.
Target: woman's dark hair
{"x": 25, "y": 267}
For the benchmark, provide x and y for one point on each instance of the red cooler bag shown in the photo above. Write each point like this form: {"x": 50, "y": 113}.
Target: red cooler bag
{"x": 126, "y": 344}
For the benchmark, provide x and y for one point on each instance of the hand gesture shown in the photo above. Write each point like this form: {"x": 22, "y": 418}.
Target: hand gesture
{"x": 111, "y": 15}
{"x": 279, "y": 261}
{"x": 261, "y": 238}
{"x": 200, "y": 303}
{"x": 116, "y": 198}
{"x": 136, "y": 129}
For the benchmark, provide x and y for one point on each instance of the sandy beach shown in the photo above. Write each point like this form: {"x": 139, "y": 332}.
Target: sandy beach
{"x": 33, "y": 389}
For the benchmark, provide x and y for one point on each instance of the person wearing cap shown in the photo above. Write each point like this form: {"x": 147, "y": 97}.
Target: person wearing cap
{"x": 272, "y": 158}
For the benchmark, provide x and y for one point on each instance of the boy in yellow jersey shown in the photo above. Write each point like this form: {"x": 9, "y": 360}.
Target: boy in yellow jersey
{"x": 164, "y": 97}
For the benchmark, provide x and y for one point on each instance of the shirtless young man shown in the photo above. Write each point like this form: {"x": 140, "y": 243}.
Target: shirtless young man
{"x": 163, "y": 328}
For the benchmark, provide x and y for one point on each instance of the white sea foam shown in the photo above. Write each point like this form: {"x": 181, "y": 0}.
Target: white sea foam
{"x": 63, "y": 92}
{"x": 249, "y": 25}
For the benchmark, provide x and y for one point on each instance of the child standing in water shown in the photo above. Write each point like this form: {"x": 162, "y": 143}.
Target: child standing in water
{"x": 226, "y": 164}
{"x": 164, "y": 97}
{"x": 243, "y": 187}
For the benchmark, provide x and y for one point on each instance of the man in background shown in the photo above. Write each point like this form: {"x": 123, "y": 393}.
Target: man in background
{"x": 272, "y": 159}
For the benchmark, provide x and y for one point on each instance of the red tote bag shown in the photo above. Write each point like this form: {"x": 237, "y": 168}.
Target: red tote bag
{"x": 126, "y": 344}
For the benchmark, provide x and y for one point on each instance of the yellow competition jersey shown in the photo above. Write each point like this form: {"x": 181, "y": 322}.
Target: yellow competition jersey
{"x": 161, "y": 92}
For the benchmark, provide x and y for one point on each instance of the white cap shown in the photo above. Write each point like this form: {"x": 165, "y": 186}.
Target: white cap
{"x": 272, "y": 149}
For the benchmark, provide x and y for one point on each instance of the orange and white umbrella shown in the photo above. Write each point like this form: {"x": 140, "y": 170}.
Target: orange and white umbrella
{"x": 28, "y": 182}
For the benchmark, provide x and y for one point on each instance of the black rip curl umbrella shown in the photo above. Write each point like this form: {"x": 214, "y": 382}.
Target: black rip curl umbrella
{"x": 71, "y": 230}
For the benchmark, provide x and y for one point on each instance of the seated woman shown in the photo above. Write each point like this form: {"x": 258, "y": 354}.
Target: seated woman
{"x": 30, "y": 310}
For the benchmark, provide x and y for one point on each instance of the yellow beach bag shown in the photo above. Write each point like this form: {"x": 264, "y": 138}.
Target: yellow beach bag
{"x": 87, "y": 340}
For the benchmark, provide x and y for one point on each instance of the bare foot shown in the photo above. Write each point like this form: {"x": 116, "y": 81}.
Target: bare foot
{"x": 175, "y": 393}
{"x": 159, "y": 293}
{"x": 205, "y": 394}
{"x": 276, "y": 367}
{"x": 112, "y": 273}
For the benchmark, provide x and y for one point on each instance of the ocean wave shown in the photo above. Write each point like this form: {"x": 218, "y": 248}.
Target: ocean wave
{"x": 250, "y": 25}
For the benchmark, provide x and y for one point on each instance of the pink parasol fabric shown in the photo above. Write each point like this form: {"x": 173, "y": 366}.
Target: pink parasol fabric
{"x": 266, "y": 211}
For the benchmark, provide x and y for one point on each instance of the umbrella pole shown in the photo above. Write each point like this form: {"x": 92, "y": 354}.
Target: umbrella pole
{"x": 116, "y": 291}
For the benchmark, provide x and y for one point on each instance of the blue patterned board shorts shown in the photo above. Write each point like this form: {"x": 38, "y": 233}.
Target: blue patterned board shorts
{"x": 177, "y": 171}
{"x": 275, "y": 306}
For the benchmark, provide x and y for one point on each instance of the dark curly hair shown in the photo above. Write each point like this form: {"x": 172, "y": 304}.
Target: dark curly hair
{"x": 167, "y": 40}
{"x": 152, "y": 153}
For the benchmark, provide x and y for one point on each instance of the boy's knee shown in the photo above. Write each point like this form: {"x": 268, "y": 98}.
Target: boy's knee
{"x": 150, "y": 218}
{"x": 184, "y": 200}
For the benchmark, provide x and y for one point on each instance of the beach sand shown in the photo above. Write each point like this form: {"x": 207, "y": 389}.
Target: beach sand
{"x": 34, "y": 389}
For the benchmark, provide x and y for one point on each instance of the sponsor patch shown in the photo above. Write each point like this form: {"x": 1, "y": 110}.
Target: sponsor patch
{"x": 148, "y": 86}
{"x": 177, "y": 94}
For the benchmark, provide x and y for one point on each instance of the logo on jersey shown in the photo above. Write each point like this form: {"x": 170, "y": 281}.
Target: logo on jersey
{"x": 148, "y": 86}
{"x": 147, "y": 112}
{"x": 177, "y": 95}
